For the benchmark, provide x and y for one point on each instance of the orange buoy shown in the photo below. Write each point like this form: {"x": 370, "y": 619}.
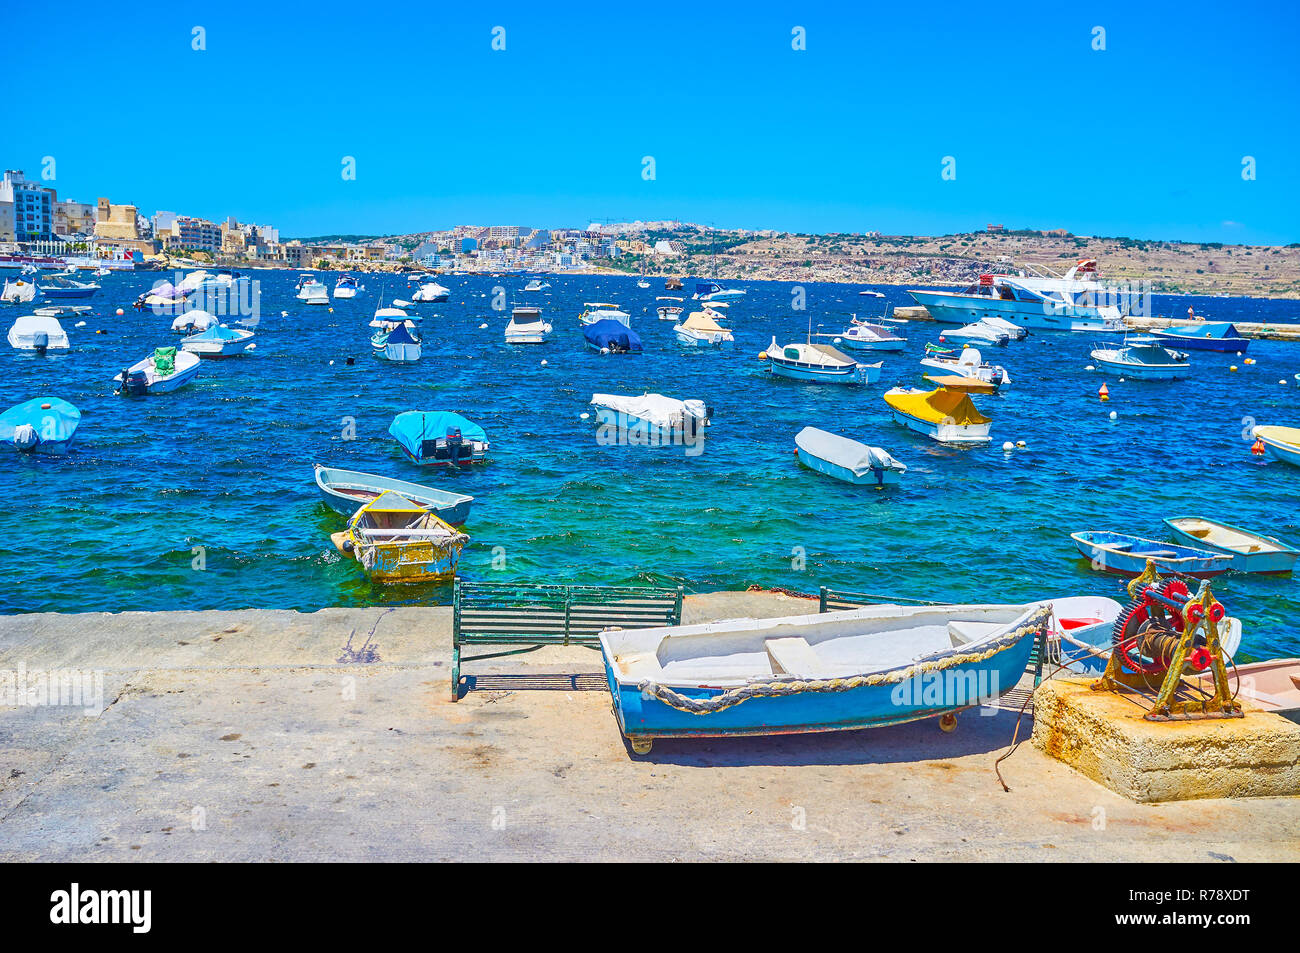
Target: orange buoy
{"x": 1104, "y": 392}
{"x": 1258, "y": 448}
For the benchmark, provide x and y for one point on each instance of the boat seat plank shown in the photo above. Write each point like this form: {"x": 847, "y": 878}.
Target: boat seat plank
{"x": 792, "y": 655}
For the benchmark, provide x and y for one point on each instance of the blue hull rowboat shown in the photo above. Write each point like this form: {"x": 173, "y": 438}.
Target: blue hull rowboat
{"x": 345, "y": 491}
{"x": 818, "y": 362}
{"x": 881, "y": 665}
{"x": 1128, "y": 555}
{"x": 846, "y": 459}
{"x": 41, "y": 425}
{"x": 1142, "y": 361}
{"x": 1250, "y": 552}
{"x": 1211, "y": 336}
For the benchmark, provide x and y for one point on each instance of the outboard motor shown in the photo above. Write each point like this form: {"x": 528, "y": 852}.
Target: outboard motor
{"x": 26, "y": 437}
{"x": 456, "y": 445}
{"x": 41, "y": 341}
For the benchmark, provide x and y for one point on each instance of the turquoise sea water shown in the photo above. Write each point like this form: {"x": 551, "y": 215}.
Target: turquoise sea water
{"x": 226, "y": 464}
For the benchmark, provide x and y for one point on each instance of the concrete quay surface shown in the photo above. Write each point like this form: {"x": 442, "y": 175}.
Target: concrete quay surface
{"x": 241, "y": 736}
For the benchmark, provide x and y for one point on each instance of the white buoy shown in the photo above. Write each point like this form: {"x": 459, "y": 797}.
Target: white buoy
{"x": 80, "y": 324}
{"x": 544, "y": 363}
{"x": 251, "y": 347}
{"x": 482, "y": 326}
{"x": 1008, "y": 446}
{"x": 120, "y": 312}
{"x": 331, "y": 363}
{"x": 1121, "y": 380}
{"x": 1021, "y": 444}
{"x": 604, "y": 350}
{"x": 584, "y": 416}
{"x": 1090, "y": 367}
{"x": 284, "y": 314}
{"x": 1113, "y": 415}
{"x": 1282, "y": 382}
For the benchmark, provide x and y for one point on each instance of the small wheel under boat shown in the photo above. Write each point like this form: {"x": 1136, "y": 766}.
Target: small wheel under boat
{"x": 948, "y": 722}
{"x": 641, "y": 745}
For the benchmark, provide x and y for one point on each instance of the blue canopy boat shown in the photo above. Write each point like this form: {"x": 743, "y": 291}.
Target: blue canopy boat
{"x": 881, "y": 665}
{"x": 401, "y": 344}
{"x": 439, "y": 438}
{"x": 1209, "y": 336}
{"x": 612, "y": 337}
{"x": 346, "y": 491}
{"x": 40, "y": 425}
{"x": 1128, "y": 555}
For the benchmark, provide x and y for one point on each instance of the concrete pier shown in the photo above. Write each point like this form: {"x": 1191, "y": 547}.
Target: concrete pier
{"x": 276, "y": 735}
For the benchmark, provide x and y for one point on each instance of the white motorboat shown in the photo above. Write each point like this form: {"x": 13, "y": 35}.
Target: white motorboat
{"x": 38, "y": 333}
{"x": 971, "y": 365}
{"x": 163, "y": 371}
{"x": 536, "y": 284}
{"x": 846, "y": 459}
{"x": 979, "y": 334}
{"x": 656, "y": 418}
{"x": 218, "y": 341}
{"x": 1012, "y": 330}
{"x": 429, "y": 292}
{"x": 712, "y": 291}
{"x": 806, "y": 361}
{"x": 594, "y": 311}
{"x": 527, "y": 327}
{"x": 1144, "y": 358}
{"x": 866, "y": 336}
{"x": 191, "y": 322}
{"x": 346, "y": 287}
{"x": 18, "y": 291}
{"x": 312, "y": 291}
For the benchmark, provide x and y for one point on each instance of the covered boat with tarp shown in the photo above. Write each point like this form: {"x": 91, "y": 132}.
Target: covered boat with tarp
{"x": 846, "y": 459}
{"x": 40, "y": 425}
{"x": 399, "y": 344}
{"x": 439, "y": 438}
{"x": 665, "y": 418}
{"x": 38, "y": 332}
{"x": 218, "y": 341}
{"x": 1207, "y": 336}
{"x": 941, "y": 414}
{"x": 701, "y": 329}
{"x": 806, "y": 361}
{"x": 611, "y": 337}
{"x": 397, "y": 540}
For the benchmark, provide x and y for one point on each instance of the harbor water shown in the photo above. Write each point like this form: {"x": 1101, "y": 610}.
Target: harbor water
{"x": 205, "y": 499}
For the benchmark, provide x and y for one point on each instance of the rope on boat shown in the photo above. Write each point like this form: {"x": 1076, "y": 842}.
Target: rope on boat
{"x": 780, "y": 689}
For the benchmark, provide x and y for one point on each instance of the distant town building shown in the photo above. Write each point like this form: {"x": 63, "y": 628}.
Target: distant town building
{"x": 33, "y": 207}
{"x": 669, "y": 247}
{"x": 117, "y": 229}
{"x": 196, "y": 233}
{"x": 74, "y": 218}
{"x": 163, "y": 222}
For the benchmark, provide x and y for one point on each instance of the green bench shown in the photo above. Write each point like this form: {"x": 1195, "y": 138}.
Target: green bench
{"x": 535, "y": 616}
{"x": 838, "y": 600}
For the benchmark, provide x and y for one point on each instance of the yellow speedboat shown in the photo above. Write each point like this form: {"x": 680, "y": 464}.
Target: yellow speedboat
{"x": 396, "y": 540}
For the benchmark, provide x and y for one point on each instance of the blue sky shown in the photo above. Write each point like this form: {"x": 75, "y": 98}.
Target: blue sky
{"x": 1145, "y": 138}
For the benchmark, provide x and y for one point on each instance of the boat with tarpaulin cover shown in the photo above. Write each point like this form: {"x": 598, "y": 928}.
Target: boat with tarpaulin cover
{"x": 439, "y": 438}
{"x": 948, "y": 416}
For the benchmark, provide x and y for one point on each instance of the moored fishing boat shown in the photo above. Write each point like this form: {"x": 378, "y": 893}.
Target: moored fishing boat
{"x": 1127, "y": 555}
{"x": 846, "y": 459}
{"x": 191, "y": 322}
{"x": 430, "y": 292}
{"x": 1270, "y": 686}
{"x": 399, "y": 344}
{"x": 40, "y": 425}
{"x": 218, "y": 341}
{"x": 611, "y": 337}
{"x": 806, "y": 361}
{"x": 163, "y": 371}
{"x": 397, "y": 540}
{"x": 18, "y": 291}
{"x": 1250, "y": 551}
{"x": 536, "y": 284}
{"x": 712, "y": 291}
{"x": 866, "y": 336}
{"x": 527, "y": 327}
{"x": 346, "y": 287}
{"x": 1280, "y": 443}
{"x": 60, "y": 286}
{"x": 668, "y": 312}
{"x": 439, "y": 438}
{"x": 979, "y": 333}
{"x": 701, "y": 330}
{"x": 312, "y": 291}
{"x": 594, "y": 311}
{"x": 862, "y": 668}
{"x": 39, "y": 333}
{"x": 1207, "y": 336}
{"x": 344, "y": 491}
{"x": 947, "y": 416}
{"x": 970, "y": 364}
{"x": 1143, "y": 358}
{"x": 660, "y": 419}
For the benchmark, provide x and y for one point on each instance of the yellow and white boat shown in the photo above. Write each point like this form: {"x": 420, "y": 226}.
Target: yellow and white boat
{"x": 396, "y": 540}
{"x": 941, "y": 414}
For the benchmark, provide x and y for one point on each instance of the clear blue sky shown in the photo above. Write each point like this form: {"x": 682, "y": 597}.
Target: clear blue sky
{"x": 1144, "y": 139}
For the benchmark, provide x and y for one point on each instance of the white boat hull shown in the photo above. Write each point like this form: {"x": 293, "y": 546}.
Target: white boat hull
{"x": 947, "y": 307}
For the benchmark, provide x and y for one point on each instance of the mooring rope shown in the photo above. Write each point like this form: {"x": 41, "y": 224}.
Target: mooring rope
{"x": 795, "y": 686}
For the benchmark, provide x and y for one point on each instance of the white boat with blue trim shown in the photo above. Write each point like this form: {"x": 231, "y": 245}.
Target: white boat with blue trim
{"x": 846, "y": 459}
{"x": 1250, "y": 551}
{"x": 1143, "y": 358}
{"x": 346, "y": 491}
{"x": 820, "y": 363}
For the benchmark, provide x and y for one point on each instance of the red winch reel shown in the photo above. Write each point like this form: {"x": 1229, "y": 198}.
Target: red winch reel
{"x": 1147, "y": 633}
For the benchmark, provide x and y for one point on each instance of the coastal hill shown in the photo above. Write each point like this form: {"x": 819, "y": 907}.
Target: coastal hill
{"x": 1171, "y": 267}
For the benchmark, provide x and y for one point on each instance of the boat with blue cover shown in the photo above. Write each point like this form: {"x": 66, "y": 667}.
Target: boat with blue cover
{"x": 1250, "y": 551}
{"x": 218, "y": 341}
{"x": 846, "y": 459}
{"x": 399, "y": 344}
{"x": 1128, "y": 555}
{"x": 439, "y": 438}
{"x": 344, "y": 491}
{"x": 1205, "y": 336}
{"x": 609, "y": 336}
{"x": 862, "y": 668}
{"x": 40, "y": 425}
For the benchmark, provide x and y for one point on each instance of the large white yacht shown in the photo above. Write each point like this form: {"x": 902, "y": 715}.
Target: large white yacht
{"x": 1040, "y": 299}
